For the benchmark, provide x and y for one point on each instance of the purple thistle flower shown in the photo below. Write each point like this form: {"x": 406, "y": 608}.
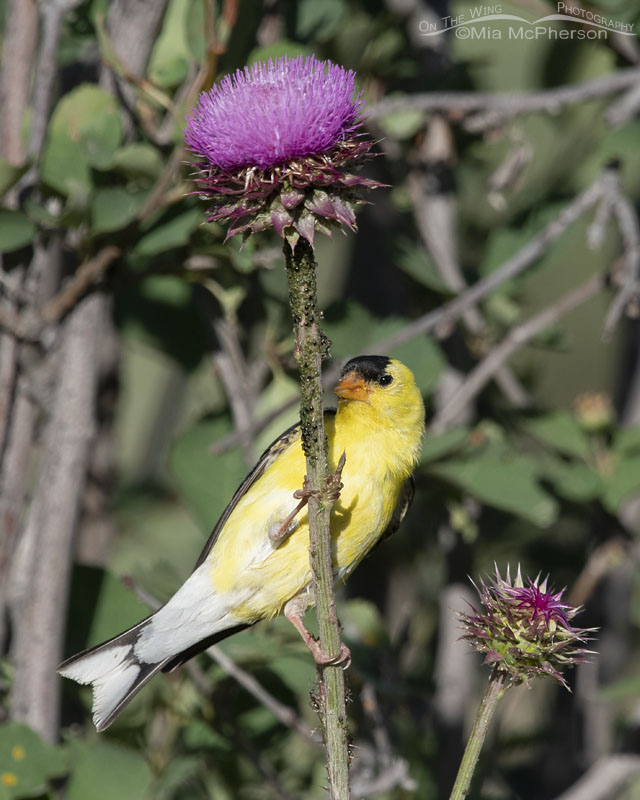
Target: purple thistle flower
{"x": 525, "y": 630}
{"x": 275, "y": 141}
{"x": 267, "y": 114}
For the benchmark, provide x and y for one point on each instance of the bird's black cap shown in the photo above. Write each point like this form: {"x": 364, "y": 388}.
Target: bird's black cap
{"x": 370, "y": 367}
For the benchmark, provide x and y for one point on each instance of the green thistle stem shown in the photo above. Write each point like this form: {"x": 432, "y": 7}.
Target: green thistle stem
{"x": 310, "y": 347}
{"x": 493, "y": 693}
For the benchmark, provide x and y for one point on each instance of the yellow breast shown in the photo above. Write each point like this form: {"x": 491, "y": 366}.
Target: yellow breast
{"x": 259, "y": 579}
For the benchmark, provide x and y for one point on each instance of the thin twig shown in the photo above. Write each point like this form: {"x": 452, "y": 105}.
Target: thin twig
{"x": 286, "y": 715}
{"x": 606, "y": 779}
{"x": 379, "y": 770}
{"x": 434, "y": 213}
{"x": 629, "y": 277}
{"x": 443, "y": 318}
{"x": 205, "y": 687}
{"x": 515, "y": 339}
{"x": 495, "y": 107}
{"x": 232, "y": 368}
{"x": 85, "y": 276}
{"x": 624, "y": 108}
{"x": 602, "y": 560}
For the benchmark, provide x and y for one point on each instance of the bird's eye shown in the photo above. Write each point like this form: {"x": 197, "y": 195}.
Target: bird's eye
{"x": 385, "y": 380}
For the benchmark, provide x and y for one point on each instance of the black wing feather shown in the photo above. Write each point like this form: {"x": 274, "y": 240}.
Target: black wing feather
{"x": 405, "y": 499}
{"x": 272, "y": 452}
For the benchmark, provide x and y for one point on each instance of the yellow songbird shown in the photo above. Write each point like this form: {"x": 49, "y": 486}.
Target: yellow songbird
{"x": 256, "y": 562}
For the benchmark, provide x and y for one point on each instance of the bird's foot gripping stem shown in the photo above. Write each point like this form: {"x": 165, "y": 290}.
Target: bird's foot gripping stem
{"x": 294, "y": 611}
{"x": 329, "y": 494}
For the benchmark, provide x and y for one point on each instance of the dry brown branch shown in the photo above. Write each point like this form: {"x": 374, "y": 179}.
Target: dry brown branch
{"x": 132, "y": 28}
{"x": 515, "y": 339}
{"x": 624, "y": 108}
{"x": 13, "y": 489}
{"x": 203, "y": 76}
{"x": 495, "y": 107}
{"x": 232, "y": 369}
{"x": 628, "y": 277}
{"x": 52, "y": 14}
{"x": 435, "y": 216}
{"x": 29, "y": 326}
{"x": 605, "y": 558}
{"x": 86, "y": 275}
{"x": 19, "y": 45}
{"x": 39, "y": 612}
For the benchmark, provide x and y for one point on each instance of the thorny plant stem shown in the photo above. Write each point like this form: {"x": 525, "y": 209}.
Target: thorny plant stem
{"x": 309, "y": 350}
{"x": 493, "y": 693}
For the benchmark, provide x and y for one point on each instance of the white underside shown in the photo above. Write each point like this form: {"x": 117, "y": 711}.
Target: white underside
{"x": 193, "y": 613}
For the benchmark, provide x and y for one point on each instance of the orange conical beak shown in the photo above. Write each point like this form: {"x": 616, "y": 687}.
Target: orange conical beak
{"x": 352, "y": 387}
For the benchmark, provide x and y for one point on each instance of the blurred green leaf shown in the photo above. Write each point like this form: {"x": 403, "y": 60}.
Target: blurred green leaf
{"x": 623, "y": 483}
{"x": 16, "y": 230}
{"x": 114, "y": 208}
{"x": 298, "y": 673}
{"x": 26, "y": 762}
{"x": 281, "y": 389}
{"x": 437, "y": 446}
{"x": 363, "y": 623}
{"x": 320, "y": 20}
{"x": 9, "y": 175}
{"x": 117, "y": 609}
{"x": 171, "y": 52}
{"x": 85, "y": 131}
{"x": 504, "y": 480}
{"x": 422, "y": 356}
{"x": 138, "y": 160}
{"x": 198, "y": 735}
{"x": 206, "y": 483}
{"x": 560, "y": 431}
{"x": 178, "y": 772}
{"x": 106, "y": 771}
{"x": 354, "y": 330}
{"x": 627, "y": 440}
{"x": 413, "y": 259}
{"x": 402, "y": 124}
{"x": 625, "y": 689}
{"x": 173, "y": 233}
{"x": 573, "y": 480}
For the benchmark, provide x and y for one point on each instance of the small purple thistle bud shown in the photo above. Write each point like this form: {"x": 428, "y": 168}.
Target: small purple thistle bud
{"x": 525, "y": 629}
{"x": 269, "y": 136}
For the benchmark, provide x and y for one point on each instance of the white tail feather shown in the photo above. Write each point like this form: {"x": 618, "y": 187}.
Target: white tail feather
{"x": 112, "y": 671}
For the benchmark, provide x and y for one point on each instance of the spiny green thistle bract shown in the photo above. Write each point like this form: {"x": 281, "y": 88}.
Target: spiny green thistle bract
{"x": 525, "y": 630}
{"x": 275, "y": 142}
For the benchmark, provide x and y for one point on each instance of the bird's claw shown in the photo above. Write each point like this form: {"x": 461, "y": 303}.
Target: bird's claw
{"x": 342, "y": 659}
{"x": 333, "y": 485}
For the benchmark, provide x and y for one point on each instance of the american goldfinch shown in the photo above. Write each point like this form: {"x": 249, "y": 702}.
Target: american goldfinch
{"x": 255, "y": 564}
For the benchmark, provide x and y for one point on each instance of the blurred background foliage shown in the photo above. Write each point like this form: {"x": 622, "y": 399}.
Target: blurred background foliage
{"x": 199, "y": 346}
